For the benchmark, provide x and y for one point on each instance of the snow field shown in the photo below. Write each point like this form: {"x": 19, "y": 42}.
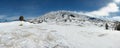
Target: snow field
{"x": 52, "y": 35}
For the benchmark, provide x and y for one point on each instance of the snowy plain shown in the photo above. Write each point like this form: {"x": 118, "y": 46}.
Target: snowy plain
{"x": 56, "y": 35}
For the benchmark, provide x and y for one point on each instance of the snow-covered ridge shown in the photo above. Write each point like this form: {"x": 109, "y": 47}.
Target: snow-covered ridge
{"x": 70, "y": 17}
{"x": 65, "y": 16}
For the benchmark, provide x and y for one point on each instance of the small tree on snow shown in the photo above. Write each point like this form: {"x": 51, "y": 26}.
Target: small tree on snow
{"x": 21, "y": 18}
{"x": 106, "y": 26}
{"x": 118, "y": 27}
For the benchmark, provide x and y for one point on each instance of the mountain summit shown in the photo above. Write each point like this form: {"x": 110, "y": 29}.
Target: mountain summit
{"x": 65, "y": 16}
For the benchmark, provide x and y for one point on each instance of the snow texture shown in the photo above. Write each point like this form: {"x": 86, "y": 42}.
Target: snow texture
{"x": 56, "y": 35}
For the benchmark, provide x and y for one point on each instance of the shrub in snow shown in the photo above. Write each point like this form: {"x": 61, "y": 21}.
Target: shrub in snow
{"x": 106, "y": 26}
{"x": 72, "y": 15}
{"x": 118, "y": 27}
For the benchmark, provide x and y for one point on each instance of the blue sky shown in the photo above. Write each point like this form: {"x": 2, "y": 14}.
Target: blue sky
{"x": 35, "y": 8}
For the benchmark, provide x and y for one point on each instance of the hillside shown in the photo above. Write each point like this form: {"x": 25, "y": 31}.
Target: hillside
{"x": 71, "y": 17}
{"x": 66, "y": 16}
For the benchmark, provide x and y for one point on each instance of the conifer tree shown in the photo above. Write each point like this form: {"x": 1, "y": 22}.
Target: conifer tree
{"x": 21, "y": 18}
{"x": 118, "y": 27}
{"x": 106, "y": 26}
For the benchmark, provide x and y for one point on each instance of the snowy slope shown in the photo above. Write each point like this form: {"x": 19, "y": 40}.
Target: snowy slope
{"x": 52, "y": 35}
{"x": 71, "y": 17}
{"x": 65, "y": 16}
{"x": 28, "y": 36}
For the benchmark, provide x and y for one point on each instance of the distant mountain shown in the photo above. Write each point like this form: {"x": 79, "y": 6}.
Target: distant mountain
{"x": 70, "y": 17}
{"x": 64, "y": 16}
{"x": 5, "y": 20}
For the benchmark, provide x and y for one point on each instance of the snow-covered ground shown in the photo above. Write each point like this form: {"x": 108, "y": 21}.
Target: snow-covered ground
{"x": 52, "y": 35}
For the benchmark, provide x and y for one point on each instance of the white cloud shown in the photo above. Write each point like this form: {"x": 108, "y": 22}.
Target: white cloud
{"x": 104, "y": 11}
{"x": 116, "y": 1}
